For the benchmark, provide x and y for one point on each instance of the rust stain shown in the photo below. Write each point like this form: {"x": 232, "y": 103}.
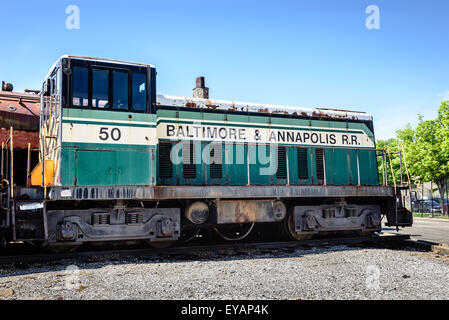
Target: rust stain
{"x": 245, "y": 211}
{"x": 191, "y": 105}
{"x": 21, "y": 138}
{"x": 233, "y": 107}
{"x": 324, "y": 113}
{"x": 320, "y": 114}
{"x": 240, "y": 216}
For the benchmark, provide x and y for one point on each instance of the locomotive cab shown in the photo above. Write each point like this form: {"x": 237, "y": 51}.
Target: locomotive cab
{"x": 97, "y": 124}
{"x": 98, "y": 142}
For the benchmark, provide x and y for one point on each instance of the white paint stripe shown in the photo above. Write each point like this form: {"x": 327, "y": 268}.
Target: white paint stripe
{"x": 107, "y": 134}
{"x": 133, "y": 135}
{"x": 198, "y": 132}
{"x": 258, "y": 124}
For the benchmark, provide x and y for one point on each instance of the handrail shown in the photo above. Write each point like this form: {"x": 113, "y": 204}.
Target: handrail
{"x": 406, "y": 170}
{"x": 384, "y": 171}
{"x": 7, "y": 182}
{"x": 44, "y": 165}
{"x": 391, "y": 167}
{"x": 12, "y": 163}
{"x": 388, "y": 153}
{"x": 2, "y": 207}
{"x": 28, "y": 165}
{"x": 1, "y": 166}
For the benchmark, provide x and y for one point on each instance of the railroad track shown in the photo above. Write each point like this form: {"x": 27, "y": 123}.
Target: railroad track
{"x": 199, "y": 250}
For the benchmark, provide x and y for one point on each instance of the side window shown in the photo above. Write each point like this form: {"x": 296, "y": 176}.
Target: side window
{"x": 80, "y": 87}
{"x": 53, "y": 84}
{"x": 139, "y": 91}
{"x": 120, "y": 90}
{"x": 59, "y": 81}
{"x": 100, "y": 88}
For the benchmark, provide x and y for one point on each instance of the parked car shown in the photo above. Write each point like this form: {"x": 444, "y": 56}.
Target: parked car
{"x": 427, "y": 206}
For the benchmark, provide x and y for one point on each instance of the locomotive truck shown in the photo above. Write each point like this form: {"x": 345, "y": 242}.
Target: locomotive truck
{"x": 117, "y": 162}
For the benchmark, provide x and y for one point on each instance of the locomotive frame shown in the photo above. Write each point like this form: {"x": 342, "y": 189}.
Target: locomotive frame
{"x": 118, "y": 162}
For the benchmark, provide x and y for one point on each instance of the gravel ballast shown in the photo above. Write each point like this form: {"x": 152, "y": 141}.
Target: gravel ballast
{"x": 337, "y": 272}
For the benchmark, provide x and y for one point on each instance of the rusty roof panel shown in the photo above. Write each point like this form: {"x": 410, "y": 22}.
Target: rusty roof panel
{"x": 19, "y": 110}
{"x": 188, "y": 102}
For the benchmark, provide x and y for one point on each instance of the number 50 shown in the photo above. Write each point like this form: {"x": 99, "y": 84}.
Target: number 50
{"x": 114, "y": 135}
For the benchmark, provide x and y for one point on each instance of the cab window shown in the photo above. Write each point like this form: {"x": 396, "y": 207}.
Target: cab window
{"x": 105, "y": 87}
{"x": 80, "y": 87}
{"x": 120, "y": 93}
{"x": 139, "y": 91}
{"x": 100, "y": 88}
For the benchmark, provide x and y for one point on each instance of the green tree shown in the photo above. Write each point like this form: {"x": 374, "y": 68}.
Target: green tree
{"x": 427, "y": 149}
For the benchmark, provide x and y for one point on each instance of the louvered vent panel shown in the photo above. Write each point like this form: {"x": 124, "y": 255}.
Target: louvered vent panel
{"x": 319, "y": 163}
{"x": 303, "y": 167}
{"x": 165, "y": 164}
{"x": 216, "y": 168}
{"x": 188, "y": 161}
{"x": 282, "y": 164}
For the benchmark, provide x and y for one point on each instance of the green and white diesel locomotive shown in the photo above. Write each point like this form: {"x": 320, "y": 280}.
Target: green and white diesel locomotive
{"x": 119, "y": 162}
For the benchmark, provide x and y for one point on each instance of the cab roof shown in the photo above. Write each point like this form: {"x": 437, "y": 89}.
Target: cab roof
{"x": 67, "y": 56}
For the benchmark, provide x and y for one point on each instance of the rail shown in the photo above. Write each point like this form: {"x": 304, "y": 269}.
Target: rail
{"x": 19, "y": 254}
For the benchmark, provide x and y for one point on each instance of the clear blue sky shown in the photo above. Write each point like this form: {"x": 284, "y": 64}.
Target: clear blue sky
{"x": 299, "y": 53}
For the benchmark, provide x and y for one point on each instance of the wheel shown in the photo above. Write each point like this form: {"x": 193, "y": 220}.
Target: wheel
{"x": 189, "y": 233}
{"x": 234, "y": 231}
{"x": 289, "y": 227}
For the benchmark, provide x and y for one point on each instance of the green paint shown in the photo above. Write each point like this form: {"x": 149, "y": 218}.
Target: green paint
{"x": 368, "y": 163}
{"x": 106, "y": 114}
{"x": 118, "y": 164}
{"x": 95, "y": 168}
{"x": 130, "y": 124}
{"x": 108, "y": 146}
{"x": 106, "y": 166}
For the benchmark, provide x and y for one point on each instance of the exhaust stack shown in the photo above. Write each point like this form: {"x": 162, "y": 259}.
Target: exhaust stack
{"x": 201, "y": 91}
{"x": 7, "y": 86}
